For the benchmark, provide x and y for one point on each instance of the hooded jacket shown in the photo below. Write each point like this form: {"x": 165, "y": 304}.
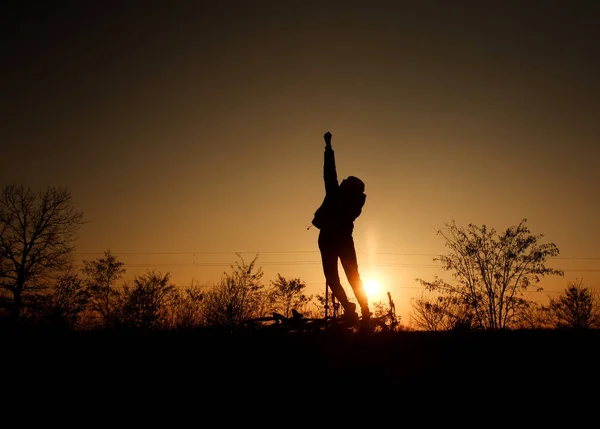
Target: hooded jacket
{"x": 342, "y": 203}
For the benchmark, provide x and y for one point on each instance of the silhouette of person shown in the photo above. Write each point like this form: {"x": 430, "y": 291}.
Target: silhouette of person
{"x": 335, "y": 218}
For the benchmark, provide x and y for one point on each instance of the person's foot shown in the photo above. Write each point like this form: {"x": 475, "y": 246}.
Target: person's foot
{"x": 365, "y": 322}
{"x": 350, "y": 315}
{"x": 366, "y": 314}
{"x": 351, "y": 319}
{"x": 365, "y": 319}
{"x": 350, "y": 307}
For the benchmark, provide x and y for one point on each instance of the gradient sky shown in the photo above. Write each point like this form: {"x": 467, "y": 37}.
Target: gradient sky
{"x": 191, "y": 130}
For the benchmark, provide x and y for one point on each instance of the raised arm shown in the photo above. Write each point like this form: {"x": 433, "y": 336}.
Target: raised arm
{"x": 329, "y": 171}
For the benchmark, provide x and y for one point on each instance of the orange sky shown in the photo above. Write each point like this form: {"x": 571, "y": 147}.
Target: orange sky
{"x": 189, "y": 131}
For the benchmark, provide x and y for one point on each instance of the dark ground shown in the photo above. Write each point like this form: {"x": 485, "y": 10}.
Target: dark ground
{"x": 270, "y": 359}
{"x": 143, "y": 378}
{"x": 482, "y": 379}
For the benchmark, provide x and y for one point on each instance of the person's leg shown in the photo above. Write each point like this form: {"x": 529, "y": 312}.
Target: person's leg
{"x": 350, "y": 265}
{"x": 329, "y": 257}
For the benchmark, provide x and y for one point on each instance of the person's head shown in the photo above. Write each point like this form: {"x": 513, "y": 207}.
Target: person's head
{"x": 352, "y": 184}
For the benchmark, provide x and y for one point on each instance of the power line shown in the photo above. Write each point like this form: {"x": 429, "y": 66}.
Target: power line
{"x": 254, "y": 253}
{"x": 297, "y": 263}
{"x": 300, "y": 263}
{"x": 268, "y": 263}
{"x": 286, "y": 252}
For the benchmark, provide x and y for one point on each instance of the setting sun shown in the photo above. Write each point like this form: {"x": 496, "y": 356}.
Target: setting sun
{"x": 372, "y": 287}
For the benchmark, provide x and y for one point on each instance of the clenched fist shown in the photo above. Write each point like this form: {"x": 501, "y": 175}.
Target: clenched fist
{"x": 327, "y": 138}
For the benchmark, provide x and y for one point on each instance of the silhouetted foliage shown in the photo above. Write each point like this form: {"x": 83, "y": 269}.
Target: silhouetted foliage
{"x": 67, "y": 300}
{"x": 430, "y": 314}
{"x": 440, "y": 313}
{"x": 531, "y": 315}
{"x": 187, "y": 307}
{"x": 315, "y": 306}
{"x": 147, "y": 303}
{"x": 324, "y": 303}
{"x": 287, "y": 294}
{"x": 491, "y": 271}
{"x": 37, "y": 235}
{"x": 384, "y": 316}
{"x": 238, "y": 297}
{"x": 102, "y": 274}
{"x": 577, "y": 308}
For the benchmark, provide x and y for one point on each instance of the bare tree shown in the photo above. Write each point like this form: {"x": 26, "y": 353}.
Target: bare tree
{"x": 146, "y": 303}
{"x": 492, "y": 271}
{"x": 37, "y": 235}
{"x": 287, "y": 294}
{"x": 577, "y": 307}
{"x": 102, "y": 275}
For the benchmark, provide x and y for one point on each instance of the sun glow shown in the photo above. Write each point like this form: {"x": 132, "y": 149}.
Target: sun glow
{"x": 372, "y": 287}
